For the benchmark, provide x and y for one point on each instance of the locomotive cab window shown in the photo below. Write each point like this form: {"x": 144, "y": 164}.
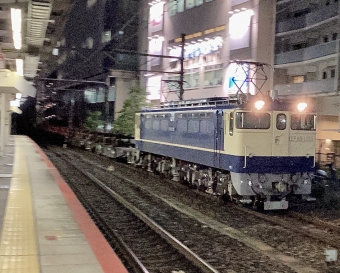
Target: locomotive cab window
{"x": 251, "y": 120}
{"x": 303, "y": 122}
{"x": 281, "y": 121}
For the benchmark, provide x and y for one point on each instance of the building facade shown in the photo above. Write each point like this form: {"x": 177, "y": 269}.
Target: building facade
{"x": 225, "y": 42}
{"x": 89, "y": 60}
{"x": 307, "y": 64}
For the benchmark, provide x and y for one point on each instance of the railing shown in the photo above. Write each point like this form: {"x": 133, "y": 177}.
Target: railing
{"x": 308, "y": 53}
{"x": 311, "y": 87}
{"x": 309, "y": 19}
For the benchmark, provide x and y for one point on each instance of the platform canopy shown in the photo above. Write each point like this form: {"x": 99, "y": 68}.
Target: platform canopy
{"x": 12, "y": 83}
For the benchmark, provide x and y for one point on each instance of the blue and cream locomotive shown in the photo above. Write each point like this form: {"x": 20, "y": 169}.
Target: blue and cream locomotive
{"x": 258, "y": 151}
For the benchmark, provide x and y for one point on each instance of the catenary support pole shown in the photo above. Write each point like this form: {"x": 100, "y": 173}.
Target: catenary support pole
{"x": 181, "y": 79}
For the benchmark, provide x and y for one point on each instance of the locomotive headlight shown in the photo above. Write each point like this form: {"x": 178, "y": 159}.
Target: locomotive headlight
{"x": 250, "y": 183}
{"x": 259, "y": 104}
{"x": 301, "y": 106}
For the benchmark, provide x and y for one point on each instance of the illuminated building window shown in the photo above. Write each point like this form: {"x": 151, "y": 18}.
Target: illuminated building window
{"x": 180, "y": 6}
{"x": 172, "y": 7}
{"x": 190, "y": 4}
{"x": 191, "y": 78}
{"x": 106, "y": 36}
{"x": 174, "y": 85}
{"x": 298, "y": 79}
{"x": 213, "y": 75}
{"x": 90, "y": 95}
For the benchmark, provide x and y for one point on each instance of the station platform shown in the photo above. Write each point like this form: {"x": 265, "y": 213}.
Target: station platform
{"x": 43, "y": 226}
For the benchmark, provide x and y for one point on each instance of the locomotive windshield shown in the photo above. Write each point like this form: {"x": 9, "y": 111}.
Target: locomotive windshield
{"x": 251, "y": 120}
{"x": 303, "y": 122}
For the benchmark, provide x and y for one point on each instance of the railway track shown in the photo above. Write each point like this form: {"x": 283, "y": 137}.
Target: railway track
{"x": 308, "y": 226}
{"x": 280, "y": 238}
{"x": 143, "y": 245}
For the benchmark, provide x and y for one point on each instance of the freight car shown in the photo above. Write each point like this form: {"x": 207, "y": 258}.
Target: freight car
{"x": 257, "y": 152}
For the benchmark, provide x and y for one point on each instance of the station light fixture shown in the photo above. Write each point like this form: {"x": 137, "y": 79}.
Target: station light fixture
{"x": 16, "y": 27}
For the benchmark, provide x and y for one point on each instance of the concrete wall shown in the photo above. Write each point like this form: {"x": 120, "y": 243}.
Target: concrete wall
{"x": 124, "y": 81}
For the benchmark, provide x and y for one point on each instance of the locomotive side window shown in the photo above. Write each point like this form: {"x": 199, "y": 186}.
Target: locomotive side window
{"x": 164, "y": 125}
{"x": 250, "y": 120}
{"x": 193, "y": 126}
{"x": 206, "y": 126}
{"x": 203, "y": 126}
{"x": 155, "y": 125}
{"x": 148, "y": 124}
{"x": 281, "y": 121}
{"x": 182, "y": 125}
{"x": 231, "y": 124}
{"x": 303, "y": 122}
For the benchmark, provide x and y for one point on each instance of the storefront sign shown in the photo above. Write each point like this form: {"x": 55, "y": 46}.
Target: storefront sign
{"x": 197, "y": 49}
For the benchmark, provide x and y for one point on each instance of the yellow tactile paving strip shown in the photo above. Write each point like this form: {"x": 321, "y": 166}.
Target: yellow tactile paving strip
{"x": 18, "y": 249}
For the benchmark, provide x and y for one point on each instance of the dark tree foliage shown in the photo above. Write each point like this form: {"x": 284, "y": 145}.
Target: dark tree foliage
{"x": 93, "y": 120}
{"x": 125, "y": 123}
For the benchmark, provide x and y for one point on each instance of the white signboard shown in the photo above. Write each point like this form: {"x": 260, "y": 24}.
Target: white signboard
{"x": 154, "y": 86}
{"x": 239, "y": 29}
{"x": 156, "y": 48}
{"x": 236, "y": 79}
{"x": 156, "y": 17}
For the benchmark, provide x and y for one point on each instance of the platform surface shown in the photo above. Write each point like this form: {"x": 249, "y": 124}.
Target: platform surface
{"x": 43, "y": 226}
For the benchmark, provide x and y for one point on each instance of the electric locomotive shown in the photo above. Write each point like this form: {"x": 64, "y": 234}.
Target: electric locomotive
{"x": 254, "y": 151}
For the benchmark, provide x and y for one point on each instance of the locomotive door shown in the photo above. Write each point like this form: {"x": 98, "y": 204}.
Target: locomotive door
{"x": 280, "y": 139}
{"x": 219, "y": 140}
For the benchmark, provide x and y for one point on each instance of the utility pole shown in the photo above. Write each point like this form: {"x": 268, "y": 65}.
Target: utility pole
{"x": 71, "y": 116}
{"x": 181, "y": 79}
{"x": 107, "y": 105}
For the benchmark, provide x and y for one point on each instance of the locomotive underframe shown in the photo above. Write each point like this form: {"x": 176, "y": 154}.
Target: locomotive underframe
{"x": 268, "y": 190}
